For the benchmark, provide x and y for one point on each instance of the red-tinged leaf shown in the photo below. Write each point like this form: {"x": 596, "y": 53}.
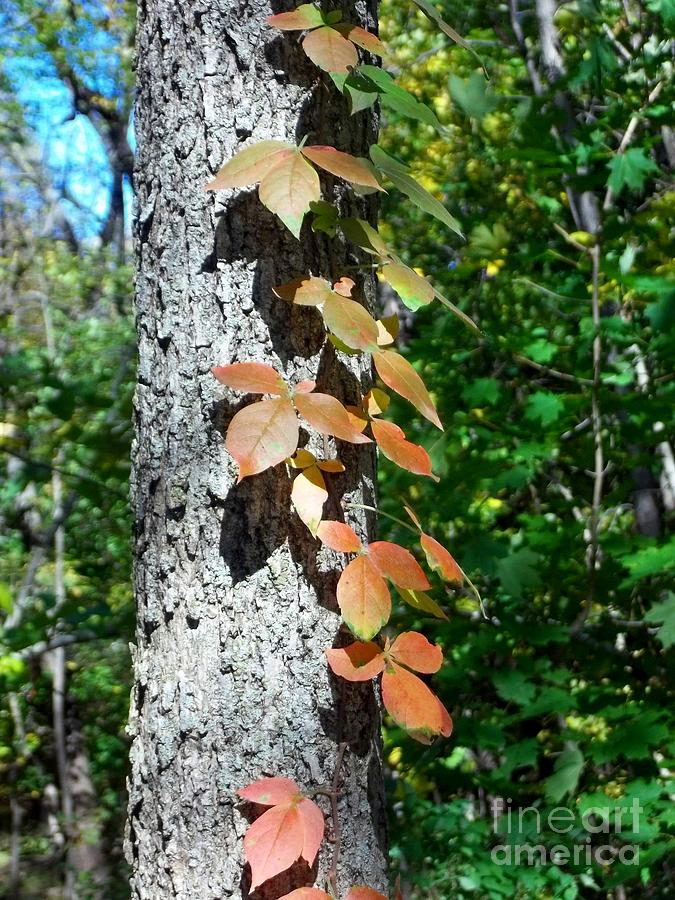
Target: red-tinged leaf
{"x": 262, "y": 435}
{"x": 328, "y": 416}
{"x": 392, "y": 442}
{"x": 398, "y": 564}
{"x": 304, "y": 387}
{"x": 288, "y": 189}
{"x": 339, "y": 536}
{"x": 251, "y": 378}
{"x": 306, "y": 893}
{"x": 399, "y": 375}
{"x": 414, "y": 290}
{"x": 270, "y": 791}
{"x": 398, "y": 894}
{"x": 363, "y": 598}
{"x": 413, "y": 706}
{"x": 413, "y": 516}
{"x": 331, "y": 465}
{"x": 350, "y": 168}
{"x": 413, "y": 650}
{"x": 305, "y": 16}
{"x": 440, "y": 559}
{"x": 362, "y": 38}
{"x": 350, "y": 322}
{"x": 422, "y": 602}
{"x": 357, "y": 417}
{"x": 364, "y": 893}
{"x": 274, "y": 842}
{"x": 251, "y": 164}
{"x": 330, "y": 51}
{"x": 311, "y": 818}
{"x": 361, "y": 661}
{"x": 305, "y": 291}
{"x": 344, "y": 286}
{"x": 308, "y": 496}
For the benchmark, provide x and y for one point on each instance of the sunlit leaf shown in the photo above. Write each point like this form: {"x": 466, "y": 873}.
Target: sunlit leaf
{"x": 399, "y": 375}
{"x": 413, "y": 650}
{"x": 288, "y": 189}
{"x": 350, "y": 322}
{"x": 350, "y": 168}
{"x": 363, "y": 598}
{"x": 251, "y": 164}
{"x": 304, "y": 291}
{"x": 392, "y": 95}
{"x": 362, "y": 38}
{"x": 376, "y": 402}
{"x": 308, "y": 496}
{"x": 423, "y": 602}
{"x": 360, "y": 661}
{"x": 251, "y": 378}
{"x": 392, "y": 442}
{"x": 413, "y": 289}
{"x": 397, "y": 564}
{"x": 364, "y": 893}
{"x": 305, "y": 16}
{"x": 328, "y": 416}
{"x": 413, "y": 706}
{"x": 270, "y": 791}
{"x": 329, "y": 50}
{"x": 339, "y": 536}
{"x": 400, "y": 178}
{"x": 365, "y": 236}
{"x": 262, "y": 435}
{"x": 441, "y": 560}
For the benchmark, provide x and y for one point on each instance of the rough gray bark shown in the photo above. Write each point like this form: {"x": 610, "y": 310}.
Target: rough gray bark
{"x": 234, "y": 609}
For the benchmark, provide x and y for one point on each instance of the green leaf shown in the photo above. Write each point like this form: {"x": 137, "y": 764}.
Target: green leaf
{"x": 432, "y": 13}
{"x": 397, "y": 173}
{"x": 513, "y": 685}
{"x": 394, "y": 96}
{"x": 630, "y": 169}
{"x": 472, "y": 95}
{"x": 663, "y": 614}
{"x": 361, "y": 91}
{"x": 422, "y": 601}
{"x": 650, "y": 560}
{"x": 365, "y": 236}
{"x": 544, "y": 407}
{"x": 481, "y": 391}
{"x": 517, "y": 571}
{"x": 565, "y": 778}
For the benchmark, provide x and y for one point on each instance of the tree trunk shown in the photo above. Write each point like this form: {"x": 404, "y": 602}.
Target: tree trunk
{"x": 235, "y": 608}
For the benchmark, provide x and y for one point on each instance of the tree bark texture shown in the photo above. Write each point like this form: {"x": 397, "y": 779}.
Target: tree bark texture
{"x": 235, "y": 605}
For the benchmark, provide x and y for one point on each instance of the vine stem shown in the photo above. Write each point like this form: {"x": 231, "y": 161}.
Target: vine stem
{"x": 337, "y": 833}
{"x": 381, "y": 512}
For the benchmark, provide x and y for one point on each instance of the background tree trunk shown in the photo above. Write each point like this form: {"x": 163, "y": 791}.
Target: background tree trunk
{"x": 234, "y": 609}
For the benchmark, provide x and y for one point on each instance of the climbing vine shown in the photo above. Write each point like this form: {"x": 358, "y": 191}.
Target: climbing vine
{"x": 266, "y": 433}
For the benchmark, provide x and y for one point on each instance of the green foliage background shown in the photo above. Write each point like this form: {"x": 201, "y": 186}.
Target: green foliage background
{"x": 562, "y": 694}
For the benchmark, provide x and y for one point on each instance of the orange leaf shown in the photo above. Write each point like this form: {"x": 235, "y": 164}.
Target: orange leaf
{"x": 328, "y": 416}
{"x": 331, "y": 465}
{"x": 363, "y": 598}
{"x": 361, "y": 38}
{"x": 413, "y": 706}
{"x": 392, "y": 442}
{"x": 364, "y": 893}
{"x": 330, "y": 51}
{"x": 308, "y": 496}
{"x": 376, "y": 402}
{"x": 360, "y": 661}
{"x": 413, "y": 650}
{"x": 339, "y": 536}
{"x": 350, "y": 322}
{"x": 262, "y": 435}
{"x": 251, "y": 377}
{"x": 288, "y": 189}
{"x": 344, "y": 165}
{"x": 270, "y": 791}
{"x": 398, "y": 564}
{"x": 302, "y": 459}
{"x": 399, "y": 375}
{"x": 305, "y": 16}
{"x": 274, "y": 842}
{"x": 304, "y": 387}
{"x": 344, "y": 286}
{"x": 306, "y": 893}
{"x": 311, "y": 818}
{"x": 305, "y": 291}
{"x": 251, "y": 164}
{"x": 440, "y": 559}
